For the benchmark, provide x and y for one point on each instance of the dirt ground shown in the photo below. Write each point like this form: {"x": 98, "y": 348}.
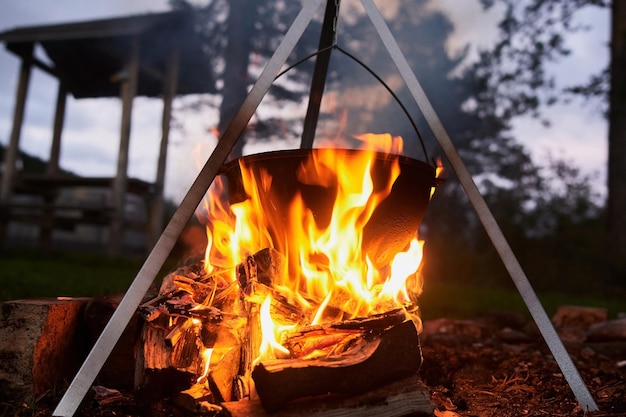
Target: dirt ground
{"x": 500, "y": 366}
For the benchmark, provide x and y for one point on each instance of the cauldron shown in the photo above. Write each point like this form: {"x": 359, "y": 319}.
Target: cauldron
{"x": 393, "y": 223}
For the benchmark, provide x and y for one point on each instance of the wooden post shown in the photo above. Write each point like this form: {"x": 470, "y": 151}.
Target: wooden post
{"x": 11, "y": 153}
{"x": 59, "y": 117}
{"x": 45, "y": 232}
{"x": 169, "y": 91}
{"x": 18, "y": 117}
{"x": 128, "y": 91}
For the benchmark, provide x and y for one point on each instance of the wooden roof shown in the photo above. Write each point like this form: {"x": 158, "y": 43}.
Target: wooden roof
{"x": 89, "y": 55}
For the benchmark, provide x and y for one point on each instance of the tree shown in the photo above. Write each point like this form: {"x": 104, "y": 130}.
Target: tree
{"x": 616, "y": 205}
{"x": 238, "y": 43}
{"x": 532, "y": 34}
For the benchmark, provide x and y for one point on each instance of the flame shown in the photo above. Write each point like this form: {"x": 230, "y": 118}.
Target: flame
{"x": 206, "y": 358}
{"x": 331, "y": 258}
{"x": 269, "y": 330}
{"x": 403, "y": 266}
{"x": 438, "y": 171}
{"x": 328, "y": 274}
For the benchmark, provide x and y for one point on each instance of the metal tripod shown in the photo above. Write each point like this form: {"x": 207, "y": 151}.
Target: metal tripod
{"x": 155, "y": 260}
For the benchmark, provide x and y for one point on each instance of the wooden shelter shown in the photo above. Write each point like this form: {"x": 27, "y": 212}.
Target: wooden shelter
{"x": 153, "y": 55}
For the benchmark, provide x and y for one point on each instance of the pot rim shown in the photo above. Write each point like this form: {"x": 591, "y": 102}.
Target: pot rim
{"x": 301, "y": 153}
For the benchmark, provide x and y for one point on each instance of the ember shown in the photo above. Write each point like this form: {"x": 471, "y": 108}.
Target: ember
{"x": 294, "y": 298}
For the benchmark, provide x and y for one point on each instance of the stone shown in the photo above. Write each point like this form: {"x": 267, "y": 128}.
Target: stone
{"x": 609, "y": 331}
{"x": 572, "y": 322}
{"x": 455, "y": 327}
{"x": 579, "y": 316}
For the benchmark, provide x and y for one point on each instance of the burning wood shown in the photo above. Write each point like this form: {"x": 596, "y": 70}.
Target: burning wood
{"x": 369, "y": 361}
{"x": 181, "y": 325}
{"x": 337, "y": 336}
{"x": 344, "y": 357}
{"x": 324, "y": 315}
{"x": 405, "y": 397}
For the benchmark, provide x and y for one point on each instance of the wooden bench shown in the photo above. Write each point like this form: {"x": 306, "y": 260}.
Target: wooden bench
{"x": 63, "y": 202}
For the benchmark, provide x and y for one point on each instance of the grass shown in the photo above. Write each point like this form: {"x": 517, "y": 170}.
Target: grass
{"x": 27, "y": 273}
{"x": 462, "y": 301}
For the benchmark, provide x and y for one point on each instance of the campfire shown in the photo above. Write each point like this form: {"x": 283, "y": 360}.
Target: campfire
{"x": 309, "y": 284}
{"x": 297, "y": 298}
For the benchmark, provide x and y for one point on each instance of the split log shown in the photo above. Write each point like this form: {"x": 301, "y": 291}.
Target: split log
{"x": 393, "y": 355}
{"x": 255, "y": 275}
{"x": 161, "y": 347}
{"x": 338, "y": 336}
{"x": 280, "y": 305}
{"x": 154, "y": 377}
{"x": 250, "y": 348}
{"x": 186, "y": 354}
{"x": 266, "y": 266}
{"x": 223, "y": 375}
{"x": 408, "y": 396}
{"x": 42, "y": 344}
{"x": 194, "y": 311}
{"x": 226, "y": 356}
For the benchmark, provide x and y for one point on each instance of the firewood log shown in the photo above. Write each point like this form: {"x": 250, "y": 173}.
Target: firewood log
{"x": 404, "y": 397}
{"x": 42, "y": 344}
{"x": 393, "y": 355}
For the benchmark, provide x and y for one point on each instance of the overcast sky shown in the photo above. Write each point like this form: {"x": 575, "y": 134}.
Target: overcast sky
{"x": 91, "y": 135}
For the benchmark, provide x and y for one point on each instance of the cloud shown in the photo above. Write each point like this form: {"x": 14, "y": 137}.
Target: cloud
{"x": 472, "y": 26}
{"x": 574, "y": 136}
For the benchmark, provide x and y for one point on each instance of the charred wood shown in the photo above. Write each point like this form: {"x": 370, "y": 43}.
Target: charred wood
{"x": 266, "y": 266}
{"x": 392, "y": 355}
{"x": 405, "y": 397}
{"x": 338, "y": 336}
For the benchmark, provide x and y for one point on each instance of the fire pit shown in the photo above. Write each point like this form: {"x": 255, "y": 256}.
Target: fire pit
{"x": 308, "y": 287}
{"x": 326, "y": 305}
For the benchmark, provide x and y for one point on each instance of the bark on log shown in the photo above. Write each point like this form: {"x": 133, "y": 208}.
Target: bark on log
{"x": 393, "y": 355}
{"x": 405, "y": 397}
{"x": 118, "y": 370}
{"x": 42, "y": 344}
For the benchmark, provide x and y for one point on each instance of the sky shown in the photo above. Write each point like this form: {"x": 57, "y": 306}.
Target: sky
{"x": 91, "y": 132}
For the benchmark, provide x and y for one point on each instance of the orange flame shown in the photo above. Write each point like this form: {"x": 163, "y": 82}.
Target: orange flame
{"x": 269, "y": 330}
{"x": 438, "y": 171}
{"x": 328, "y": 271}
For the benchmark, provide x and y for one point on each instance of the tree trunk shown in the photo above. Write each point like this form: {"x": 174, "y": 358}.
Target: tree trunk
{"x": 240, "y": 20}
{"x": 616, "y": 205}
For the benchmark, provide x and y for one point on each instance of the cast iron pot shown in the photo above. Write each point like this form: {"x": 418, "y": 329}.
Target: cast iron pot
{"x": 393, "y": 223}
